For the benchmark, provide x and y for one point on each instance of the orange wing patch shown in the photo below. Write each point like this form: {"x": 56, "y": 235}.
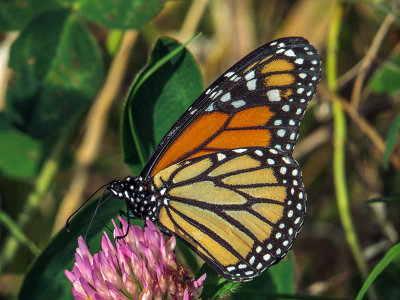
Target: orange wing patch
{"x": 279, "y": 79}
{"x": 255, "y": 116}
{"x": 193, "y": 137}
{"x": 233, "y": 139}
{"x": 208, "y": 135}
{"x": 277, "y": 65}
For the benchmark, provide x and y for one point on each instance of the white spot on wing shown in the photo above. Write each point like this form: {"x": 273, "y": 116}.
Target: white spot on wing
{"x": 299, "y": 61}
{"x": 210, "y": 107}
{"x": 240, "y": 150}
{"x": 238, "y": 103}
{"x": 281, "y": 132}
{"x": 273, "y": 95}
{"x": 258, "y": 152}
{"x": 251, "y": 85}
{"x": 221, "y": 156}
{"x": 226, "y": 97}
{"x": 290, "y": 53}
{"x": 249, "y": 75}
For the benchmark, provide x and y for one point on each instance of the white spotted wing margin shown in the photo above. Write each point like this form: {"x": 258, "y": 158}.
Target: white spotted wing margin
{"x": 240, "y": 209}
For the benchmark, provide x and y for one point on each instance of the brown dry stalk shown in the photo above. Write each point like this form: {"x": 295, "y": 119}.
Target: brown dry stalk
{"x": 369, "y": 58}
{"x": 312, "y": 141}
{"x": 192, "y": 19}
{"x": 360, "y": 121}
{"x": 96, "y": 125}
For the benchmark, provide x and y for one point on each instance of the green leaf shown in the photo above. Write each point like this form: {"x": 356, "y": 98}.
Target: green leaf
{"x": 387, "y": 78}
{"x": 15, "y": 14}
{"x": 20, "y": 156}
{"x": 57, "y": 71}
{"x": 393, "y": 253}
{"x": 215, "y": 286}
{"x": 46, "y": 279}
{"x": 122, "y": 14}
{"x": 278, "y": 279}
{"x": 391, "y": 140}
{"x": 159, "y": 101}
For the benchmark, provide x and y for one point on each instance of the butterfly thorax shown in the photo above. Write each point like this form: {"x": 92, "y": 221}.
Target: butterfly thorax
{"x": 139, "y": 196}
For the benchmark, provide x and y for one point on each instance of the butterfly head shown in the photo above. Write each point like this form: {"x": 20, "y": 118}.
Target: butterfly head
{"x": 122, "y": 188}
{"x": 137, "y": 194}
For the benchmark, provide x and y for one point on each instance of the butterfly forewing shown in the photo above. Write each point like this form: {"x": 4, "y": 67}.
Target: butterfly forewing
{"x": 239, "y": 209}
{"x": 260, "y": 101}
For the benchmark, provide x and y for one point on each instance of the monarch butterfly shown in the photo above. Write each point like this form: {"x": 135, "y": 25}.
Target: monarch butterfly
{"x": 223, "y": 178}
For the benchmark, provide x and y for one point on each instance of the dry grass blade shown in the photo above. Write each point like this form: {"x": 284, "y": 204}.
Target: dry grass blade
{"x": 369, "y": 58}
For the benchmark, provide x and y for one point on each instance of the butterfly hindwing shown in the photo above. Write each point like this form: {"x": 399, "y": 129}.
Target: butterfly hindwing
{"x": 259, "y": 101}
{"x": 239, "y": 209}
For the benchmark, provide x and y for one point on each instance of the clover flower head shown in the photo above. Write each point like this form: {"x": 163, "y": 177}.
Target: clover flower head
{"x": 141, "y": 265}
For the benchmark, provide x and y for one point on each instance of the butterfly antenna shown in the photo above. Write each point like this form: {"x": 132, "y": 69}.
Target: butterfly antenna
{"x": 99, "y": 203}
{"x": 82, "y": 205}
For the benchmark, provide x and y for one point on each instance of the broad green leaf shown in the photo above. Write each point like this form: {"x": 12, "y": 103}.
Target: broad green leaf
{"x": 387, "y": 78}
{"x": 57, "y": 71}
{"x": 20, "y": 155}
{"x": 46, "y": 279}
{"x": 123, "y": 14}
{"x": 278, "y": 279}
{"x": 391, "y": 139}
{"x": 15, "y": 14}
{"x": 392, "y": 254}
{"x": 159, "y": 101}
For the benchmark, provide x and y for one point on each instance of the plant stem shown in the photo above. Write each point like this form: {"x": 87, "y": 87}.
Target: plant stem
{"x": 339, "y": 140}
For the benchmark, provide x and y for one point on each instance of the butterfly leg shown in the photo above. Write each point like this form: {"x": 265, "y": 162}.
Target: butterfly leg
{"x": 129, "y": 217}
{"x": 126, "y": 215}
